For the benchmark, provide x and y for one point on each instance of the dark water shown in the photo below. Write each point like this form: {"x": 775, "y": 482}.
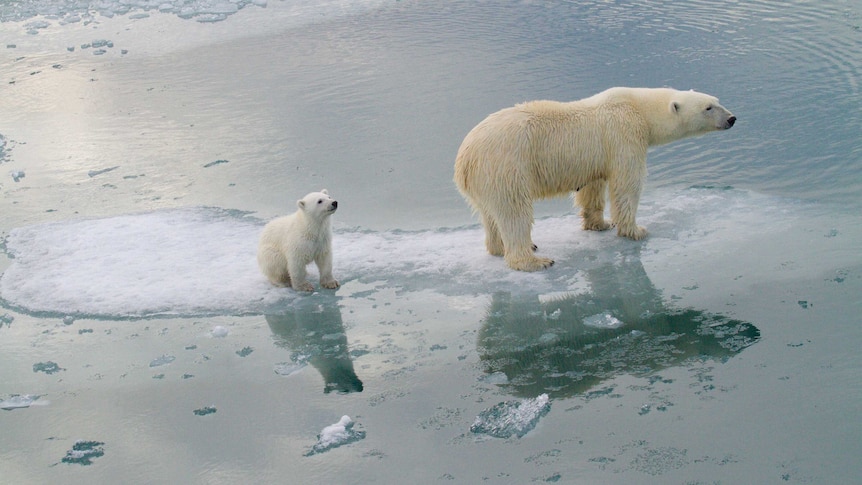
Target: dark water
{"x": 723, "y": 349}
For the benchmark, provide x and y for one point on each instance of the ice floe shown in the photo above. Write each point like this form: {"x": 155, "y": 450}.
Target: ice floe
{"x": 512, "y": 418}
{"x": 202, "y": 261}
{"x": 335, "y": 435}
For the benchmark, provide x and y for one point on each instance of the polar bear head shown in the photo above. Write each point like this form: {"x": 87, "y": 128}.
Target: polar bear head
{"x": 698, "y": 113}
{"x": 318, "y": 204}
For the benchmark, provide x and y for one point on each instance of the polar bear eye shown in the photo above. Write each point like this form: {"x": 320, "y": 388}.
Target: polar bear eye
{"x": 708, "y": 108}
{"x": 320, "y": 201}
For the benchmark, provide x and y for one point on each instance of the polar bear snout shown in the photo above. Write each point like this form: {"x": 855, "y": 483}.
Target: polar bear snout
{"x": 729, "y": 123}
{"x": 333, "y": 206}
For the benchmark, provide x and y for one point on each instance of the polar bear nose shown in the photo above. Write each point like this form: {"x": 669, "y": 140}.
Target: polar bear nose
{"x": 731, "y": 121}
{"x": 334, "y": 204}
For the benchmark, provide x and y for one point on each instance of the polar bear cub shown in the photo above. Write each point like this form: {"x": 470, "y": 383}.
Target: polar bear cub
{"x": 289, "y": 243}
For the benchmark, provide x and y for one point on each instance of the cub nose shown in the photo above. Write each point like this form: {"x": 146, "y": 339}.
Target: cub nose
{"x": 731, "y": 121}
{"x": 334, "y": 204}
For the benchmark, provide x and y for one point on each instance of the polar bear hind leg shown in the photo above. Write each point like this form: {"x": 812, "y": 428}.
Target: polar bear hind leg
{"x": 591, "y": 198}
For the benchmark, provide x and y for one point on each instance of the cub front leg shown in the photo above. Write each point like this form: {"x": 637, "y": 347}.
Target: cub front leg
{"x": 324, "y": 266}
{"x": 298, "y": 275}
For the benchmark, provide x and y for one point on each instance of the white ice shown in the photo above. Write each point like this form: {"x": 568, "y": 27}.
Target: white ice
{"x": 21, "y": 401}
{"x": 335, "y": 435}
{"x": 202, "y": 261}
{"x": 603, "y": 320}
{"x": 512, "y": 418}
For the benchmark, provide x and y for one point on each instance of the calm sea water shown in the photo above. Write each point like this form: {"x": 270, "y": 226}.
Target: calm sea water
{"x": 142, "y": 151}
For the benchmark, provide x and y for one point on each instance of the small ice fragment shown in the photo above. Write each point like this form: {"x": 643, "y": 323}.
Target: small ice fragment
{"x": 495, "y": 378}
{"x": 17, "y": 175}
{"x": 217, "y": 162}
{"x": 71, "y": 48}
{"x": 163, "y": 360}
{"x": 99, "y": 52}
{"x": 20, "y": 401}
{"x": 511, "y": 418}
{"x": 68, "y": 320}
{"x": 219, "y": 332}
{"x": 205, "y": 410}
{"x": 288, "y": 368}
{"x": 99, "y": 43}
{"x": 244, "y": 352}
{"x": 83, "y": 452}
{"x": 6, "y": 319}
{"x": 47, "y": 367}
{"x": 93, "y": 173}
{"x": 335, "y": 435}
{"x": 554, "y": 315}
{"x": 603, "y": 320}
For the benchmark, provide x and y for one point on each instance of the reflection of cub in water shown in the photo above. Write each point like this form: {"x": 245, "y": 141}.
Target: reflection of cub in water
{"x": 313, "y": 332}
{"x": 565, "y": 346}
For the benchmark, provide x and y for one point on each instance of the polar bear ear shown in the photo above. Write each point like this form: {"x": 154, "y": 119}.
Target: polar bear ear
{"x": 674, "y": 107}
{"x": 324, "y": 191}
{"x": 300, "y": 203}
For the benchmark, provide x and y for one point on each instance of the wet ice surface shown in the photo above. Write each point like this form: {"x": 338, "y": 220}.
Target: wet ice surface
{"x": 511, "y": 418}
{"x": 151, "y": 166}
{"x": 201, "y": 261}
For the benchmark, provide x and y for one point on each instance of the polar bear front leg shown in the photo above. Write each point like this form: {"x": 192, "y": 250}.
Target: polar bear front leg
{"x": 324, "y": 266}
{"x": 298, "y": 275}
{"x": 591, "y": 198}
{"x": 625, "y": 195}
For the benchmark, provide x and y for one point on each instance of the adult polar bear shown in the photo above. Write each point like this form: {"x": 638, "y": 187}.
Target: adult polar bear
{"x": 543, "y": 149}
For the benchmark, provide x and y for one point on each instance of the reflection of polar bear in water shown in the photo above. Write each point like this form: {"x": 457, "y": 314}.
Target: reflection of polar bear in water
{"x": 567, "y": 346}
{"x": 545, "y": 149}
{"x": 290, "y": 243}
{"x": 313, "y": 332}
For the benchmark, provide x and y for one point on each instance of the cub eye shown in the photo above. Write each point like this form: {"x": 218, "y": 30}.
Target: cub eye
{"x": 708, "y": 108}
{"x": 320, "y": 201}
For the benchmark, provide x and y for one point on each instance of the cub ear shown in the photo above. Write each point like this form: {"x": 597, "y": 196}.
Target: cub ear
{"x": 674, "y": 107}
{"x": 324, "y": 191}
{"x": 300, "y": 203}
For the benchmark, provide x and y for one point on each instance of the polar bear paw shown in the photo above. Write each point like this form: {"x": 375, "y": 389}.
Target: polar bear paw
{"x": 304, "y": 286}
{"x": 331, "y": 284}
{"x": 530, "y": 264}
{"x": 635, "y": 233}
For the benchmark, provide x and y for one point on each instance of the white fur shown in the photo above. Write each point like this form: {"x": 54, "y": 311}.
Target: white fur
{"x": 543, "y": 149}
{"x": 290, "y": 243}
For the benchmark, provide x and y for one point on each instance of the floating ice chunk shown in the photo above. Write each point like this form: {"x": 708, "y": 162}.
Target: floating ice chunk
{"x": 335, "y": 435}
{"x": 288, "y": 368}
{"x": 555, "y": 315}
{"x": 219, "y": 332}
{"x": 205, "y": 410}
{"x": 512, "y": 417}
{"x": 163, "y": 360}
{"x": 603, "y": 320}
{"x": 17, "y": 175}
{"x": 495, "y": 378}
{"x": 83, "y": 452}
{"x": 21, "y": 401}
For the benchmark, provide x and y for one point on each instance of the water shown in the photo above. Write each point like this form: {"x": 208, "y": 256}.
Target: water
{"x": 133, "y": 183}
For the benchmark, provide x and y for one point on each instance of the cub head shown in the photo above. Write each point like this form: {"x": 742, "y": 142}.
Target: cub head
{"x": 318, "y": 204}
{"x": 699, "y": 113}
